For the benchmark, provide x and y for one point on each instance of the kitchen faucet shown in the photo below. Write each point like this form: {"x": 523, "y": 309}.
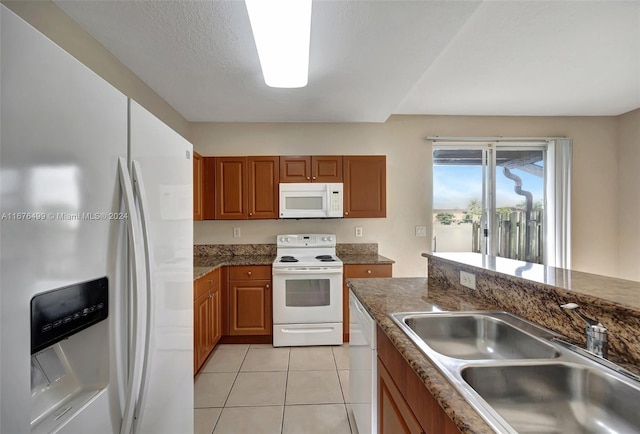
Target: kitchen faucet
{"x": 595, "y": 331}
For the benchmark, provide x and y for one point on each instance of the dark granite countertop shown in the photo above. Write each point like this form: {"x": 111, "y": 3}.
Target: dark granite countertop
{"x": 205, "y": 264}
{"x": 360, "y": 259}
{"x": 382, "y": 296}
{"x": 619, "y": 291}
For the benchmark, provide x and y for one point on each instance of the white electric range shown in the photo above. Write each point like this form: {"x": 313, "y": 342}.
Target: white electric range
{"x": 307, "y": 291}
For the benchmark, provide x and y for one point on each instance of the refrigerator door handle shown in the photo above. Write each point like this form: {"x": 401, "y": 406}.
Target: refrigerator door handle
{"x": 141, "y": 196}
{"x": 135, "y": 367}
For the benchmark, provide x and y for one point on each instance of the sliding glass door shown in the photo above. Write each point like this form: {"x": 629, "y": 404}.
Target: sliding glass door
{"x": 490, "y": 198}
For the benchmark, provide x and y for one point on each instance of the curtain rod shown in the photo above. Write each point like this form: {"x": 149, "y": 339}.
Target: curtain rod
{"x": 489, "y": 139}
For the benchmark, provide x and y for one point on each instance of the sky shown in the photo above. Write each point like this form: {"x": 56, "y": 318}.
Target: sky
{"x": 455, "y": 186}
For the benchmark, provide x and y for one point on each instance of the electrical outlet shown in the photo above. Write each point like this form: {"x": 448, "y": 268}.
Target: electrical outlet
{"x": 421, "y": 231}
{"x": 236, "y": 232}
{"x": 468, "y": 279}
{"x": 359, "y": 231}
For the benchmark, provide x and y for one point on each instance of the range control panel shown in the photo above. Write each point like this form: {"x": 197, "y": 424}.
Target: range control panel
{"x": 63, "y": 312}
{"x": 306, "y": 240}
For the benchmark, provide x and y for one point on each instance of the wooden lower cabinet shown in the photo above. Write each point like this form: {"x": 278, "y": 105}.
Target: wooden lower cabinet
{"x": 356, "y": 271}
{"x": 403, "y": 399}
{"x": 250, "y": 301}
{"x": 207, "y": 317}
{"x": 394, "y": 414}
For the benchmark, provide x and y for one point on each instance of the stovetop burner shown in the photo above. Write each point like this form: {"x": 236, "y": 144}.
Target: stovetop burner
{"x": 297, "y": 251}
{"x": 325, "y": 258}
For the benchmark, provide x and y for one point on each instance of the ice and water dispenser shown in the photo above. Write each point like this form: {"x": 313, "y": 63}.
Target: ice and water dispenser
{"x": 65, "y": 365}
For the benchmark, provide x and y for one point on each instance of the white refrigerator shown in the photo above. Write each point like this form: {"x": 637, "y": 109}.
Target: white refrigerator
{"x": 96, "y": 302}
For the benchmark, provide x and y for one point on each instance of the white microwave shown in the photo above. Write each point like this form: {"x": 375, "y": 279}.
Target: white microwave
{"x": 311, "y": 200}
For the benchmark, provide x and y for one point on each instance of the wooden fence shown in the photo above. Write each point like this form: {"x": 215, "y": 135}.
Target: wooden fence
{"x": 517, "y": 238}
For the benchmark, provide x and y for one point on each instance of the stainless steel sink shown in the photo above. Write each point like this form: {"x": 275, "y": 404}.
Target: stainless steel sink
{"x": 557, "y": 398}
{"x": 474, "y": 336}
{"x": 521, "y": 378}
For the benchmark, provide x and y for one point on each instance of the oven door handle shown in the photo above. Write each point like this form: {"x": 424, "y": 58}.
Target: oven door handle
{"x": 310, "y": 270}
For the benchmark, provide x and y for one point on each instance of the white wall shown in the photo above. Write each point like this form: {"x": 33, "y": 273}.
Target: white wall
{"x": 401, "y": 138}
{"x": 629, "y": 196}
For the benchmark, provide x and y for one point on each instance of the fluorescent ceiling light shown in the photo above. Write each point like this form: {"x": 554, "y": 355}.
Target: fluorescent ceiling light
{"x": 282, "y": 31}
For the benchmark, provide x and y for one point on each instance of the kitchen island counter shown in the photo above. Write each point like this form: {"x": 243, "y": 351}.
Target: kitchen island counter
{"x": 530, "y": 299}
{"x": 382, "y": 296}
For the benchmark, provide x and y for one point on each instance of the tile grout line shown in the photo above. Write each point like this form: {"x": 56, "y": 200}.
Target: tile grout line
{"x": 286, "y": 383}
{"x": 224, "y": 405}
{"x": 344, "y": 398}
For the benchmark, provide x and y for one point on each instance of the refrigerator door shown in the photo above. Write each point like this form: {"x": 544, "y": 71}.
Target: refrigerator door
{"x": 162, "y": 170}
{"x": 63, "y": 129}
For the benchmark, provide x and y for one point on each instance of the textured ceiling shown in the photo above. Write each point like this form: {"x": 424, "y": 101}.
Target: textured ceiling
{"x": 371, "y": 59}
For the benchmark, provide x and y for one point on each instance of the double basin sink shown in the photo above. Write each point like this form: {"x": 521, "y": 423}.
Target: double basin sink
{"x": 521, "y": 378}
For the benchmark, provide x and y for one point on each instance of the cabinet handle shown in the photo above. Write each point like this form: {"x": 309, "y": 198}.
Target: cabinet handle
{"x": 267, "y": 286}
{"x": 250, "y": 213}
{"x": 346, "y": 213}
{"x": 314, "y": 177}
{"x": 249, "y": 273}
{"x": 368, "y": 271}
{"x": 308, "y": 178}
{"x": 210, "y": 280}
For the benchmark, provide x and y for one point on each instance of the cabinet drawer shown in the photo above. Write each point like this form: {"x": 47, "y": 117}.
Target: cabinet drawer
{"x": 254, "y": 272}
{"x": 203, "y": 284}
{"x": 367, "y": 270}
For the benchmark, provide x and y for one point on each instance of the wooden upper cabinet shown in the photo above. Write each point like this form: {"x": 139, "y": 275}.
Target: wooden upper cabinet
{"x": 208, "y": 188}
{"x": 365, "y": 186}
{"x": 264, "y": 176}
{"x": 326, "y": 168}
{"x": 198, "y": 169}
{"x": 231, "y": 188}
{"x": 241, "y": 188}
{"x": 295, "y": 169}
{"x": 322, "y": 168}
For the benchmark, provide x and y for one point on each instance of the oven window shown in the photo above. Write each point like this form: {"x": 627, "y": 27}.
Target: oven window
{"x": 307, "y": 293}
{"x": 304, "y": 202}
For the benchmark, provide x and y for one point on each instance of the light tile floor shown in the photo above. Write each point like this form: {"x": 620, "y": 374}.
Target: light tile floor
{"x": 251, "y": 389}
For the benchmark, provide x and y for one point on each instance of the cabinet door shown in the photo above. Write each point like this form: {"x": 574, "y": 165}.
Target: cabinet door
{"x": 231, "y": 188}
{"x": 355, "y": 271}
{"x": 198, "y": 167}
{"x": 394, "y": 414}
{"x": 264, "y": 176}
{"x": 250, "y": 307}
{"x": 365, "y": 186}
{"x": 202, "y": 329}
{"x": 208, "y": 188}
{"x": 326, "y": 168}
{"x": 295, "y": 169}
{"x": 216, "y": 315}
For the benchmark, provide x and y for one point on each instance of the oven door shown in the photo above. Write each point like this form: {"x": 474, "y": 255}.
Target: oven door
{"x": 307, "y": 295}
